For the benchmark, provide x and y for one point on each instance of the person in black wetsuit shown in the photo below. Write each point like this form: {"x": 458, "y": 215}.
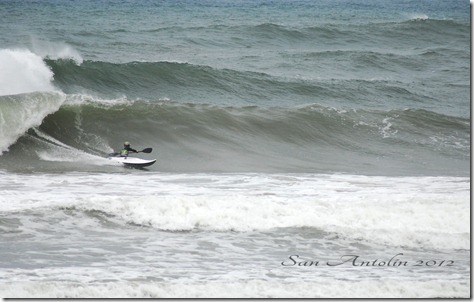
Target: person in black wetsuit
{"x": 127, "y": 149}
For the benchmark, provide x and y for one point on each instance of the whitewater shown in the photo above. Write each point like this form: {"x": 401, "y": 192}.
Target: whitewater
{"x": 227, "y": 235}
{"x": 304, "y": 150}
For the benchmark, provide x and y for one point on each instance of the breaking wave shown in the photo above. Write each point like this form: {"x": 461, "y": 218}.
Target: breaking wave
{"x": 200, "y": 137}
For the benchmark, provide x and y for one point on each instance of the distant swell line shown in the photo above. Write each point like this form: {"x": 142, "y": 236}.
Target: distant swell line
{"x": 269, "y": 29}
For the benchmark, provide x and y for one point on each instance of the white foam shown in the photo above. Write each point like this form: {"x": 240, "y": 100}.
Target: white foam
{"x": 22, "y": 71}
{"x": 414, "y": 222}
{"x": 85, "y": 99}
{"x": 387, "y": 130}
{"x": 419, "y": 16}
{"x": 60, "y": 152}
{"x": 385, "y": 288}
{"x": 432, "y": 212}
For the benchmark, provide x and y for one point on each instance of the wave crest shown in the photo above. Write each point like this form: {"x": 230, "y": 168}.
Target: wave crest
{"x": 22, "y": 72}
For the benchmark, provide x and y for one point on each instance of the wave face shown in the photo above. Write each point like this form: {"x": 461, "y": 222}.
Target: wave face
{"x": 201, "y": 138}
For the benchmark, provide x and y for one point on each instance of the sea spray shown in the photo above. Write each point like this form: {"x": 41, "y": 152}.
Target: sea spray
{"x": 56, "y": 51}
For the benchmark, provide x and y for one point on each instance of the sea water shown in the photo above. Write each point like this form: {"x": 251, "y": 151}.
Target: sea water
{"x": 304, "y": 149}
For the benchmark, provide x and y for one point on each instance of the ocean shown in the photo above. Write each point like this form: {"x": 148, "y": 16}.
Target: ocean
{"x": 304, "y": 149}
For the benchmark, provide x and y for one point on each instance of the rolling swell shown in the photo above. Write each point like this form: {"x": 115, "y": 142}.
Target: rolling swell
{"x": 204, "y": 138}
{"x": 149, "y": 79}
{"x": 204, "y": 84}
{"x": 405, "y": 32}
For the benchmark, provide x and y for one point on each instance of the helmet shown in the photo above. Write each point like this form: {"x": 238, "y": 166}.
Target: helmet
{"x": 126, "y": 144}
